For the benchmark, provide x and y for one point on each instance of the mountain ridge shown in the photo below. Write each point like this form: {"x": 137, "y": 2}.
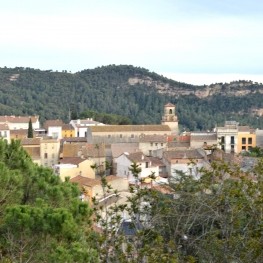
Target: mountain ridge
{"x": 128, "y": 91}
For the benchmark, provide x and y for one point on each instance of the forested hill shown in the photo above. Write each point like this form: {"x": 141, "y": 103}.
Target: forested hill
{"x": 127, "y": 91}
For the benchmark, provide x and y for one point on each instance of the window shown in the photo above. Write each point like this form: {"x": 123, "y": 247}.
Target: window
{"x": 244, "y": 148}
{"x": 146, "y": 165}
{"x": 132, "y": 135}
{"x": 151, "y": 144}
{"x": 223, "y": 147}
{"x": 249, "y": 148}
{"x": 232, "y": 140}
{"x": 170, "y": 111}
{"x": 156, "y": 144}
{"x": 150, "y": 152}
{"x": 232, "y": 148}
{"x": 120, "y": 135}
{"x": 109, "y": 135}
{"x": 161, "y": 144}
{"x": 45, "y": 155}
{"x": 249, "y": 140}
{"x": 222, "y": 139}
{"x": 244, "y": 140}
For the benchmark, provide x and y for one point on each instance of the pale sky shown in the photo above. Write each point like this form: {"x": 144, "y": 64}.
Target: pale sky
{"x": 194, "y": 41}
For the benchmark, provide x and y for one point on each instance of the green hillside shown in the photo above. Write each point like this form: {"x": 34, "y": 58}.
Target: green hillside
{"x": 128, "y": 91}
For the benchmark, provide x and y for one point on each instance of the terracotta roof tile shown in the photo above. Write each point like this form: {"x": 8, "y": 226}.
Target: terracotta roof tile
{"x": 74, "y": 139}
{"x": 71, "y": 160}
{"x": 52, "y": 123}
{"x": 119, "y": 148}
{"x": 243, "y": 128}
{"x": 129, "y": 128}
{"x": 183, "y": 154}
{"x": 4, "y": 126}
{"x": 67, "y": 127}
{"x": 153, "y": 138}
{"x": 30, "y": 141}
{"x": 18, "y": 119}
{"x": 137, "y": 157}
{"x": 156, "y": 161}
{"x": 85, "y": 181}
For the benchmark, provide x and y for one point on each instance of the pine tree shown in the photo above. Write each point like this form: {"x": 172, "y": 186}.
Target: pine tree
{"x": 30, "y": 129}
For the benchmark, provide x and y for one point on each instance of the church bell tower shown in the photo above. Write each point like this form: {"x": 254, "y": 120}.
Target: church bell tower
{"x": 169, "y": 118}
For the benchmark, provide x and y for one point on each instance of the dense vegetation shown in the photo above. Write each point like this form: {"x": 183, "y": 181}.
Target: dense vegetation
{"x": 41, "y": 218}
{"x": 106, "y": 90}
{"x": 215, "y": 219}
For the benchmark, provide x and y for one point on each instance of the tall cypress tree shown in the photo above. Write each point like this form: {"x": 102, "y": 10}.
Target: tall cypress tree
{"x": 30, "y": 129}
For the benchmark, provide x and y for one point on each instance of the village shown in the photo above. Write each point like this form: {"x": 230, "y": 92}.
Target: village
{"x": 73, "y": 150}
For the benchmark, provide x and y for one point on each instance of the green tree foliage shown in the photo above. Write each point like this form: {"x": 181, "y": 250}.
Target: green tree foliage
{"x": 108, "y": 90}
{"x": 41, "y": 218}
{"x": 106, "y": 118}
{"x": 30, "y": 129}
{"x": 215, "y": 219}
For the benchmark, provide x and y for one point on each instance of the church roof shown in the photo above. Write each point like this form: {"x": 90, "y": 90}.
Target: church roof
{"x": 129, "y": 128}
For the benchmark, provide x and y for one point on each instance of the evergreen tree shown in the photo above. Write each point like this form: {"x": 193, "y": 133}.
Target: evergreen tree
{"x": 30, "y": 129}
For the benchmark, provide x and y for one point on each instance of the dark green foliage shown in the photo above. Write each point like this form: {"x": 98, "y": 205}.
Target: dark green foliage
{"x": 30, "y": 129}
{"x": 107, "y": 90}
{"x": 40, "y": 216}
{"x": 106, "y": 118}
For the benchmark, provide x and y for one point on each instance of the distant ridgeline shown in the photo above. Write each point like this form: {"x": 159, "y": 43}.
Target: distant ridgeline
{"x": 127, "y": 94}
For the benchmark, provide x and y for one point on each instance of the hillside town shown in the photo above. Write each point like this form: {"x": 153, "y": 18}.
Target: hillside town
{"x": 72, "y": 149}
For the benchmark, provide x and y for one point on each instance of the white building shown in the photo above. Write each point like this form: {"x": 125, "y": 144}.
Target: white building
{"x": 188, "y": 162}
{"x": 81, "y": 126}
{"x": 124, "y": 162}
{"x": 20, "y": 122}
{"x": 5, "y": 132}
{"x": 228, "y": 137}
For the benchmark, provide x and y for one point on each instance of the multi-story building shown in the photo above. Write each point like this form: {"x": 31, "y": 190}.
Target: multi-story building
{"x": 228, "y": 137}
{"x": 246, "y": 138}
{"x": 49, "y": 152}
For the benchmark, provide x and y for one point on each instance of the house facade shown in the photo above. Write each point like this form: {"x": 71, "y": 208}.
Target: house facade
{"x": 228, "y": 137}
{"x": 32, "y": 147}
{"x": 20, "y": 122}
{"x": 153, "y": 145}
{"x": 188, "y": 162}
{"x": 5, "y": 132}
{"x": 110, "y": 134}
{"x": 246, "y": 138}
{"x": 124, "y": 162}
{"x": 54, "y": 128}
{"x": 74, "y": 166}
{"x": 49, "y": 152}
